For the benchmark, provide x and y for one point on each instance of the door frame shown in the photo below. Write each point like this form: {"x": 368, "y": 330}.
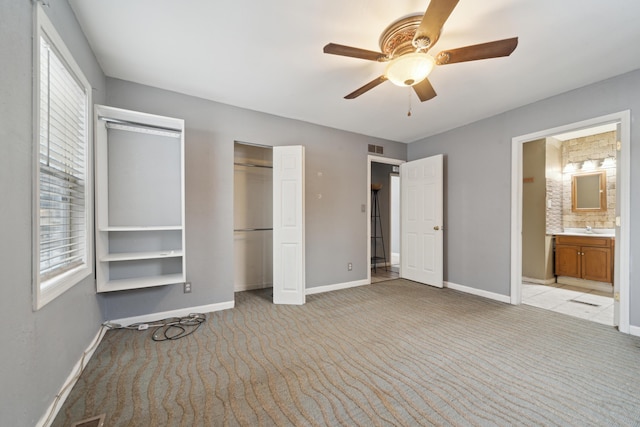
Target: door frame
{"x": 392, "y": 218}
{"x": 623, "y": 192}
{"x": 387, "y": 161}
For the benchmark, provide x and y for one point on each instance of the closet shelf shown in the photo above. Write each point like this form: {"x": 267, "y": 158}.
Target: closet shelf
{"x": 141, "y": 228}
{"x": 252, "y": 165}
{"x": 141, "y": 282}
{"x": 128, "y": 256}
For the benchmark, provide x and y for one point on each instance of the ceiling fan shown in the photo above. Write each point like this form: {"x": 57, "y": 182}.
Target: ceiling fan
{"x": 404, "y": 45}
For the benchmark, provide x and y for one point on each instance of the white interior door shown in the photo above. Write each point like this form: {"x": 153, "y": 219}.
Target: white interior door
{"x": 421, "y": 201}
{"x": 288, "y": 225}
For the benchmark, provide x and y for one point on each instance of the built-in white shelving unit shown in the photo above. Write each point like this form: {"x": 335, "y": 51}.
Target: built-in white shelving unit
{"x": 140, "y": 239}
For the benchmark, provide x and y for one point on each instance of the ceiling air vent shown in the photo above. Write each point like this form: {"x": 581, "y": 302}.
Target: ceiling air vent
{"x": 376, "y": 149}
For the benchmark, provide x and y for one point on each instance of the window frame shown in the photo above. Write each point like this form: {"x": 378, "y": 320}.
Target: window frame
{"x": 46, "y": 290}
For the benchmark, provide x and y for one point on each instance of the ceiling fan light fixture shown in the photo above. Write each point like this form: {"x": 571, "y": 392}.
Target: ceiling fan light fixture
{"x": 409, "y": 69}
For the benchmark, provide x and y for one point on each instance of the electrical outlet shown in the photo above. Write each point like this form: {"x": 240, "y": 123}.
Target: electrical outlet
{"x": 187, "y": 287}
{"x": 350, "y": 266}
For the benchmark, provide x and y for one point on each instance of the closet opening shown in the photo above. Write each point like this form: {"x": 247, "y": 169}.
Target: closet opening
{"x": 253, "y": 216}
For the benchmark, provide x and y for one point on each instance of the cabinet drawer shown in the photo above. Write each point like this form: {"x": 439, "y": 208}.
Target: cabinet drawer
{"x": 605, "y": 242}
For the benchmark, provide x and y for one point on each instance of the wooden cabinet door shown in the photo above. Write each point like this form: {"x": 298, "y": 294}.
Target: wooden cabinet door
{"x": 596, "y": 264}
{"x": 568, "y": 261}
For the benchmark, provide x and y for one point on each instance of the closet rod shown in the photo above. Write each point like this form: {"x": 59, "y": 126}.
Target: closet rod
{"x": 142, "y": 125}
{"x": 251, "y": 165}
{"x": 253, "y": 229}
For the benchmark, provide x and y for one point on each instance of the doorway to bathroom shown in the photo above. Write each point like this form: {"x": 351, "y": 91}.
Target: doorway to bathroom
{"x": 384, "y": 216}
{"x": 566, "y": 250}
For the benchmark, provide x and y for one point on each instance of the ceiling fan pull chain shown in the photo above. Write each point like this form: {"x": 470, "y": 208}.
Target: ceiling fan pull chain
{"x": 409, "y": 112}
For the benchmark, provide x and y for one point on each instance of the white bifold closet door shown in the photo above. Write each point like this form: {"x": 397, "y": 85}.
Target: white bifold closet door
{"x": 288, "y": 225}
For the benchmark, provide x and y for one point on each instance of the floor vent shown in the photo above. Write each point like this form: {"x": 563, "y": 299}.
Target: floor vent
{"x": 91, "y": 422}
{"x": 585, "y": 303}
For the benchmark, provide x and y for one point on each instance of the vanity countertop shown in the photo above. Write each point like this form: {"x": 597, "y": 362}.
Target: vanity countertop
{"x": 595, "y": 232}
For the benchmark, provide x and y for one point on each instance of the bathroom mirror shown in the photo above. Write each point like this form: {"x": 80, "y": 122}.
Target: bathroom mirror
{"x": 588, "y": 192}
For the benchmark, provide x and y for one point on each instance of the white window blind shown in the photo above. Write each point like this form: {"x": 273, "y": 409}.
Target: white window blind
{"x": 63, "y": 203}
{"x": 63, "y": 136}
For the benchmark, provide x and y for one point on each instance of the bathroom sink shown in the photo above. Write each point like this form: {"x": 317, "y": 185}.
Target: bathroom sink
{"x": 601, "y": 232}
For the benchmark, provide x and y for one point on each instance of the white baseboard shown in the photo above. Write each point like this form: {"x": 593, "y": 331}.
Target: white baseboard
{"x": 634, "y": 330}
{"x": 152, "y": 317}
{"x": 539, "y": 281}
{"x": 337, "y": 286}
{"x": 50, "y": 414}
{"x": 478, "y": 292}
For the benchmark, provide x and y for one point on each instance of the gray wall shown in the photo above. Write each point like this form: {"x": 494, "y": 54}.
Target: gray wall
{"x": 38, "y": 349}
{"x": 478, "y": 180}
{"x": 336, "y": 180}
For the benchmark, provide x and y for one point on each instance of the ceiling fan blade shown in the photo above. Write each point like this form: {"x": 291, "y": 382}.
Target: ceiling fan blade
{"x": 493, "y": 49}
{"x": 373, "y": 83}
{"x": 434, "y": 18}
{"x": 424, "y": 90}
{"x": 354, "y": 52}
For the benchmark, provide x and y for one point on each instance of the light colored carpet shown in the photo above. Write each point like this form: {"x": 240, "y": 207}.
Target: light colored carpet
{"x": 393, "y": 353}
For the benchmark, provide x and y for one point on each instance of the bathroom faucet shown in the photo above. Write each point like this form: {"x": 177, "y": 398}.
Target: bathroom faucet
{"x": 588, "y": 229}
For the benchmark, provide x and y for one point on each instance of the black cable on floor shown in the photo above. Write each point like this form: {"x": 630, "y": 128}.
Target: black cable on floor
{"x": 169, "y": 329}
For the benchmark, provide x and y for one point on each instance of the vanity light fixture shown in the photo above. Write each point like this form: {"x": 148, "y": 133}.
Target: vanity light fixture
{"x": 589, "y": 165}
{"x": 569, "y": 168}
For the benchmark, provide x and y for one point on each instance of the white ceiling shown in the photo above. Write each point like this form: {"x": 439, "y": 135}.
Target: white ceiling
{"x": 267, "y": 55}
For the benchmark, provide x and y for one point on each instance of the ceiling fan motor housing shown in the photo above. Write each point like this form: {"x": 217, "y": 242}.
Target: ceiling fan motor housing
{"x": 397, "y": 38}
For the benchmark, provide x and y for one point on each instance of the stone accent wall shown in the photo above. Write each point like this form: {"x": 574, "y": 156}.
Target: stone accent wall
{"x": 594, "y": 147}
{"x": 554, "y": 206}
{"x": 553, "y": 175}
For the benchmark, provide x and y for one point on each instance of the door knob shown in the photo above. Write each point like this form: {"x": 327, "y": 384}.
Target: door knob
{"x": 436, "y": 228}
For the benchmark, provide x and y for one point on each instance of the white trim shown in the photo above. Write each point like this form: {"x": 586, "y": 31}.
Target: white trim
{"x": 387, "y": 161}
{"x": 52, "y": 410}
{"x": 622, "y": 256}
{"x": 336, "y": 287}
{"x": 153, "y": 317}
{"x": 634, "y": 330}
{"x": 478, "y": 292}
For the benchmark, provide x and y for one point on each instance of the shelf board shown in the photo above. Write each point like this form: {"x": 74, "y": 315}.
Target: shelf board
{"x": 142, "y": 228}
{"x": 129, "y": 256}
{"x": 141, "y": 282}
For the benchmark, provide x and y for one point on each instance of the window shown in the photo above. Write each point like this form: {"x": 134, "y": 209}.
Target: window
{"x": 62, "y": 234}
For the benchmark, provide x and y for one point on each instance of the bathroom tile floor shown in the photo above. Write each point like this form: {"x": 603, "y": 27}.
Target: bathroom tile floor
{"x": 587, "y": 304}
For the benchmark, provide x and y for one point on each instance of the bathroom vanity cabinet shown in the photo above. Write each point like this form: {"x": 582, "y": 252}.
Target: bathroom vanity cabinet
{"x": 585, "y": 257}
